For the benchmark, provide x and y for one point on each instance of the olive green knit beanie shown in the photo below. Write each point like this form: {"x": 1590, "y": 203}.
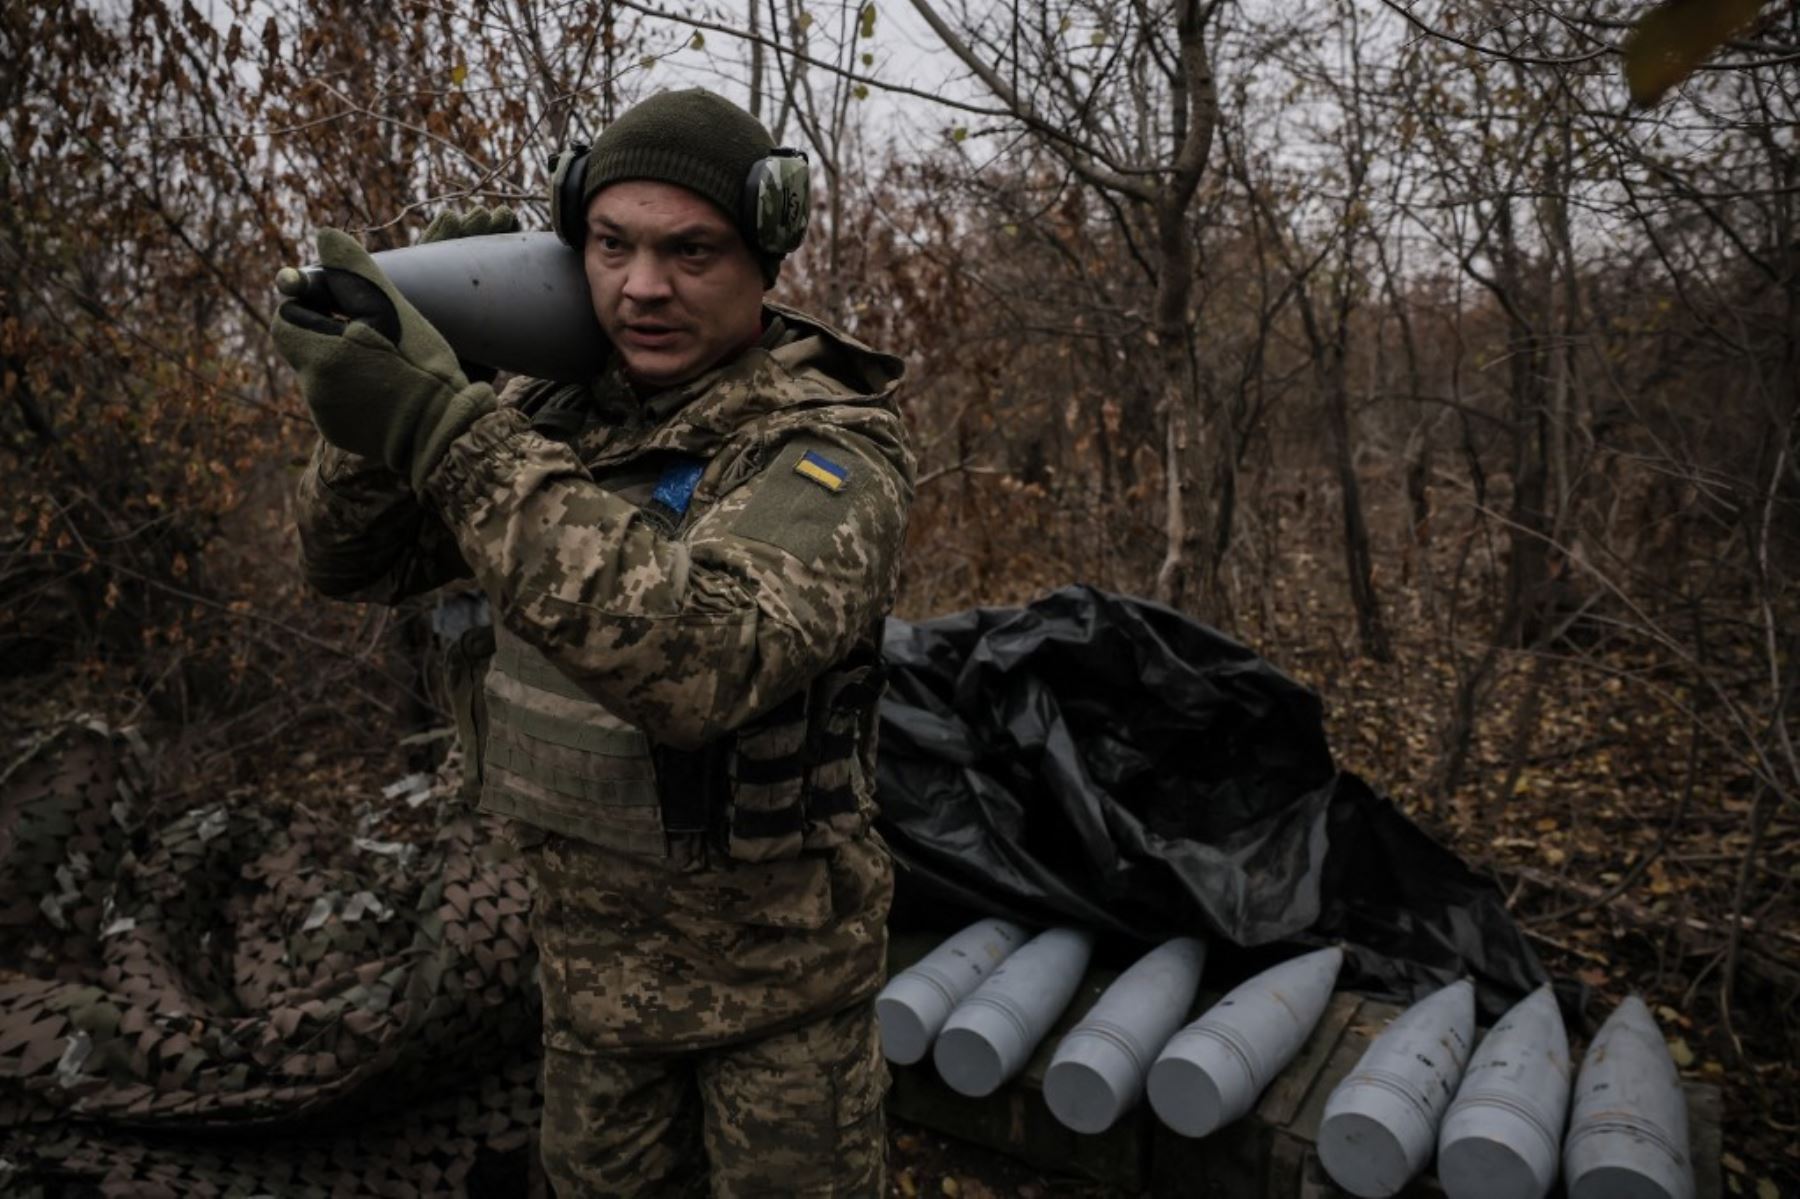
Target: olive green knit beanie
{"x": 693, "y": 139}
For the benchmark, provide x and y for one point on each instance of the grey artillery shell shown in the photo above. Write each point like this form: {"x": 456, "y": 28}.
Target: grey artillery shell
{"x": 514, "y": 301}
{"x": 1098, "y": 1071}
{"x": 1213, "y": 1070}
{"x": 1500, "y": 1137}
{"x": 1628, "y": 1136}
{"x": 1381, "y": 1122}
{"x": 991, "y": 1034}
{"x": 917, "y": 1001}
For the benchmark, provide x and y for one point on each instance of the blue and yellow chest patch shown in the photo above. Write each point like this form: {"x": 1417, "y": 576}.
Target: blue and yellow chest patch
{"x": 822, "y": 470}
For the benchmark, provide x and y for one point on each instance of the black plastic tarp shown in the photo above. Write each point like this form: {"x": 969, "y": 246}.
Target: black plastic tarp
{"x": 1104, "y": 761}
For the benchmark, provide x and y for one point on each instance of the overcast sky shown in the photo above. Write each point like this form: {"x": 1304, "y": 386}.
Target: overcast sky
{"x": 905, "y": 50}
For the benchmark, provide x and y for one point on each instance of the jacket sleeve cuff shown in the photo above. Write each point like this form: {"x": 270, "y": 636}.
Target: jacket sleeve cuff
{"x": 483, "y": 467}
{"x": 462, "y": 410}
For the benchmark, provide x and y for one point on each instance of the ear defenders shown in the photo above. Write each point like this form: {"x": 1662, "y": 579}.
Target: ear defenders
{"x": 772, "y": 209}
{"x": 568, "y": 171}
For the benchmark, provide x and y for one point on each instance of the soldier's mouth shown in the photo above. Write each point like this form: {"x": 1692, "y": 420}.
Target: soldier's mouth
{"x": 651, "y": 335}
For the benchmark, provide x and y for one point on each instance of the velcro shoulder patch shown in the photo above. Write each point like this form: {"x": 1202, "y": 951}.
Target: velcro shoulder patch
{"x": 801, "y": 500}
{"x": 822, "y": 470}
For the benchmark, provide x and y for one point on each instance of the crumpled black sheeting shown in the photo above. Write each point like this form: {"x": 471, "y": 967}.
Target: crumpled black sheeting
{"x": 1099, "y": 760}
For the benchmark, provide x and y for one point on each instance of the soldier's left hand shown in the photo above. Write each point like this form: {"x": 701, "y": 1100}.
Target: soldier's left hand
{"x": 470, "y": 222}
{"x": 379, "y": 379}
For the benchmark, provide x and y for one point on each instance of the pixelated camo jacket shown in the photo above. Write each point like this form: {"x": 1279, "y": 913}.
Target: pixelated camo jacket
{"x": 789, "y": 550}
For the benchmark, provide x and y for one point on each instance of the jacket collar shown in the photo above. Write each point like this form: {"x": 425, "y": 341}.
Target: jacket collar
{"x": 617, "y": 401}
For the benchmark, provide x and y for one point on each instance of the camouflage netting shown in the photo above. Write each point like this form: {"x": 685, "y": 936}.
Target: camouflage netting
{"x": 204, "y": 1002}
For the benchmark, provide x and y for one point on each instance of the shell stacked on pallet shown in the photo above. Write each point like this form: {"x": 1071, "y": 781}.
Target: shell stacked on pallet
{"x": 1212, "y": 1071}
{"x": 1381, "y": 1121}
{"x": 1099, "y": 1067}
{"x": 991, "y": 1034}
{"x": 1500, "y": 1137}
{"x": 1628, "y": 1135}
{"x": 914, "y": 1005}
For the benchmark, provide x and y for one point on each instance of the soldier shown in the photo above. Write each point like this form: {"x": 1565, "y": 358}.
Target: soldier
{"x": 688, "y": 559}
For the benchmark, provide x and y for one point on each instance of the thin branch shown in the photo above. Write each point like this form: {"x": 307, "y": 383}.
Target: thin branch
{"x": 1087, "y": 161}
{"x": 1489, "y": 51}
{"x": 852, "y": 76}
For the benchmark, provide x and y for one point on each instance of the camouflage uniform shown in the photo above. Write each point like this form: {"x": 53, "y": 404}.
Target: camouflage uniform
{"x": 708, "y": 650}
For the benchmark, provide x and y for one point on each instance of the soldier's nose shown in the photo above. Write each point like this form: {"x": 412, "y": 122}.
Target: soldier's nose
{"x": 645, "y": 282}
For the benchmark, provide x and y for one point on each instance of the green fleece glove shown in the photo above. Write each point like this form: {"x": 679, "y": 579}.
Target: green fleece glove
{"x": 381, "y": 382}
{"x": 471, "y": 222}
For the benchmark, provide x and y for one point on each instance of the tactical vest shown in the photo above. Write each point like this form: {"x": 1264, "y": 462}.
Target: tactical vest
{"x": 799, "y": 777}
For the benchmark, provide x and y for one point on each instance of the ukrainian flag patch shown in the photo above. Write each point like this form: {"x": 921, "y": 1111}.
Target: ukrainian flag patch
{"x": 822, "y": 470}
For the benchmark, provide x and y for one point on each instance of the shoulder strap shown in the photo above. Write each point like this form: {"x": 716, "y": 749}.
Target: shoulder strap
{"x": 558, "y": 411}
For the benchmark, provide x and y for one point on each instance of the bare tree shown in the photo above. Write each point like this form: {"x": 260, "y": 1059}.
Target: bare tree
{"x": 1328, "y": 283}
{"x": 1148, "y": 163}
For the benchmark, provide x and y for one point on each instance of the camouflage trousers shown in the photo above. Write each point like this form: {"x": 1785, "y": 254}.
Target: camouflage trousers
{"x": 797, "y": 1113}
{"x": 706, "y": 1016}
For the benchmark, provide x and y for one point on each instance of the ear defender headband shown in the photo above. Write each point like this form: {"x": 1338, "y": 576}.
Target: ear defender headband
{"x": 568, "y": 168}
{"x": 772, "y": 211}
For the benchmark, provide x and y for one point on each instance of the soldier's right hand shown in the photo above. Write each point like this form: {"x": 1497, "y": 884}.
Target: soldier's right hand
{"x": 380, "y": 380}
{"x": 471, "y": 222}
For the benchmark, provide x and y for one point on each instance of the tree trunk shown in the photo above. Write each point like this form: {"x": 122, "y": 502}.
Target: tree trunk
{"x": 1194, "y": 102}
{"x": 1180, "y": 579}
{"x": 1371, "y": 630}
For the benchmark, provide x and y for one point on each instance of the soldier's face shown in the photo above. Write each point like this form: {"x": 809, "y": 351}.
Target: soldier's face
{"x": 674, "y": 285}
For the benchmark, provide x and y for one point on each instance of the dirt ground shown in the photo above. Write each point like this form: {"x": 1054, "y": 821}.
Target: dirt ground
{"x": 922, "y": 1162}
